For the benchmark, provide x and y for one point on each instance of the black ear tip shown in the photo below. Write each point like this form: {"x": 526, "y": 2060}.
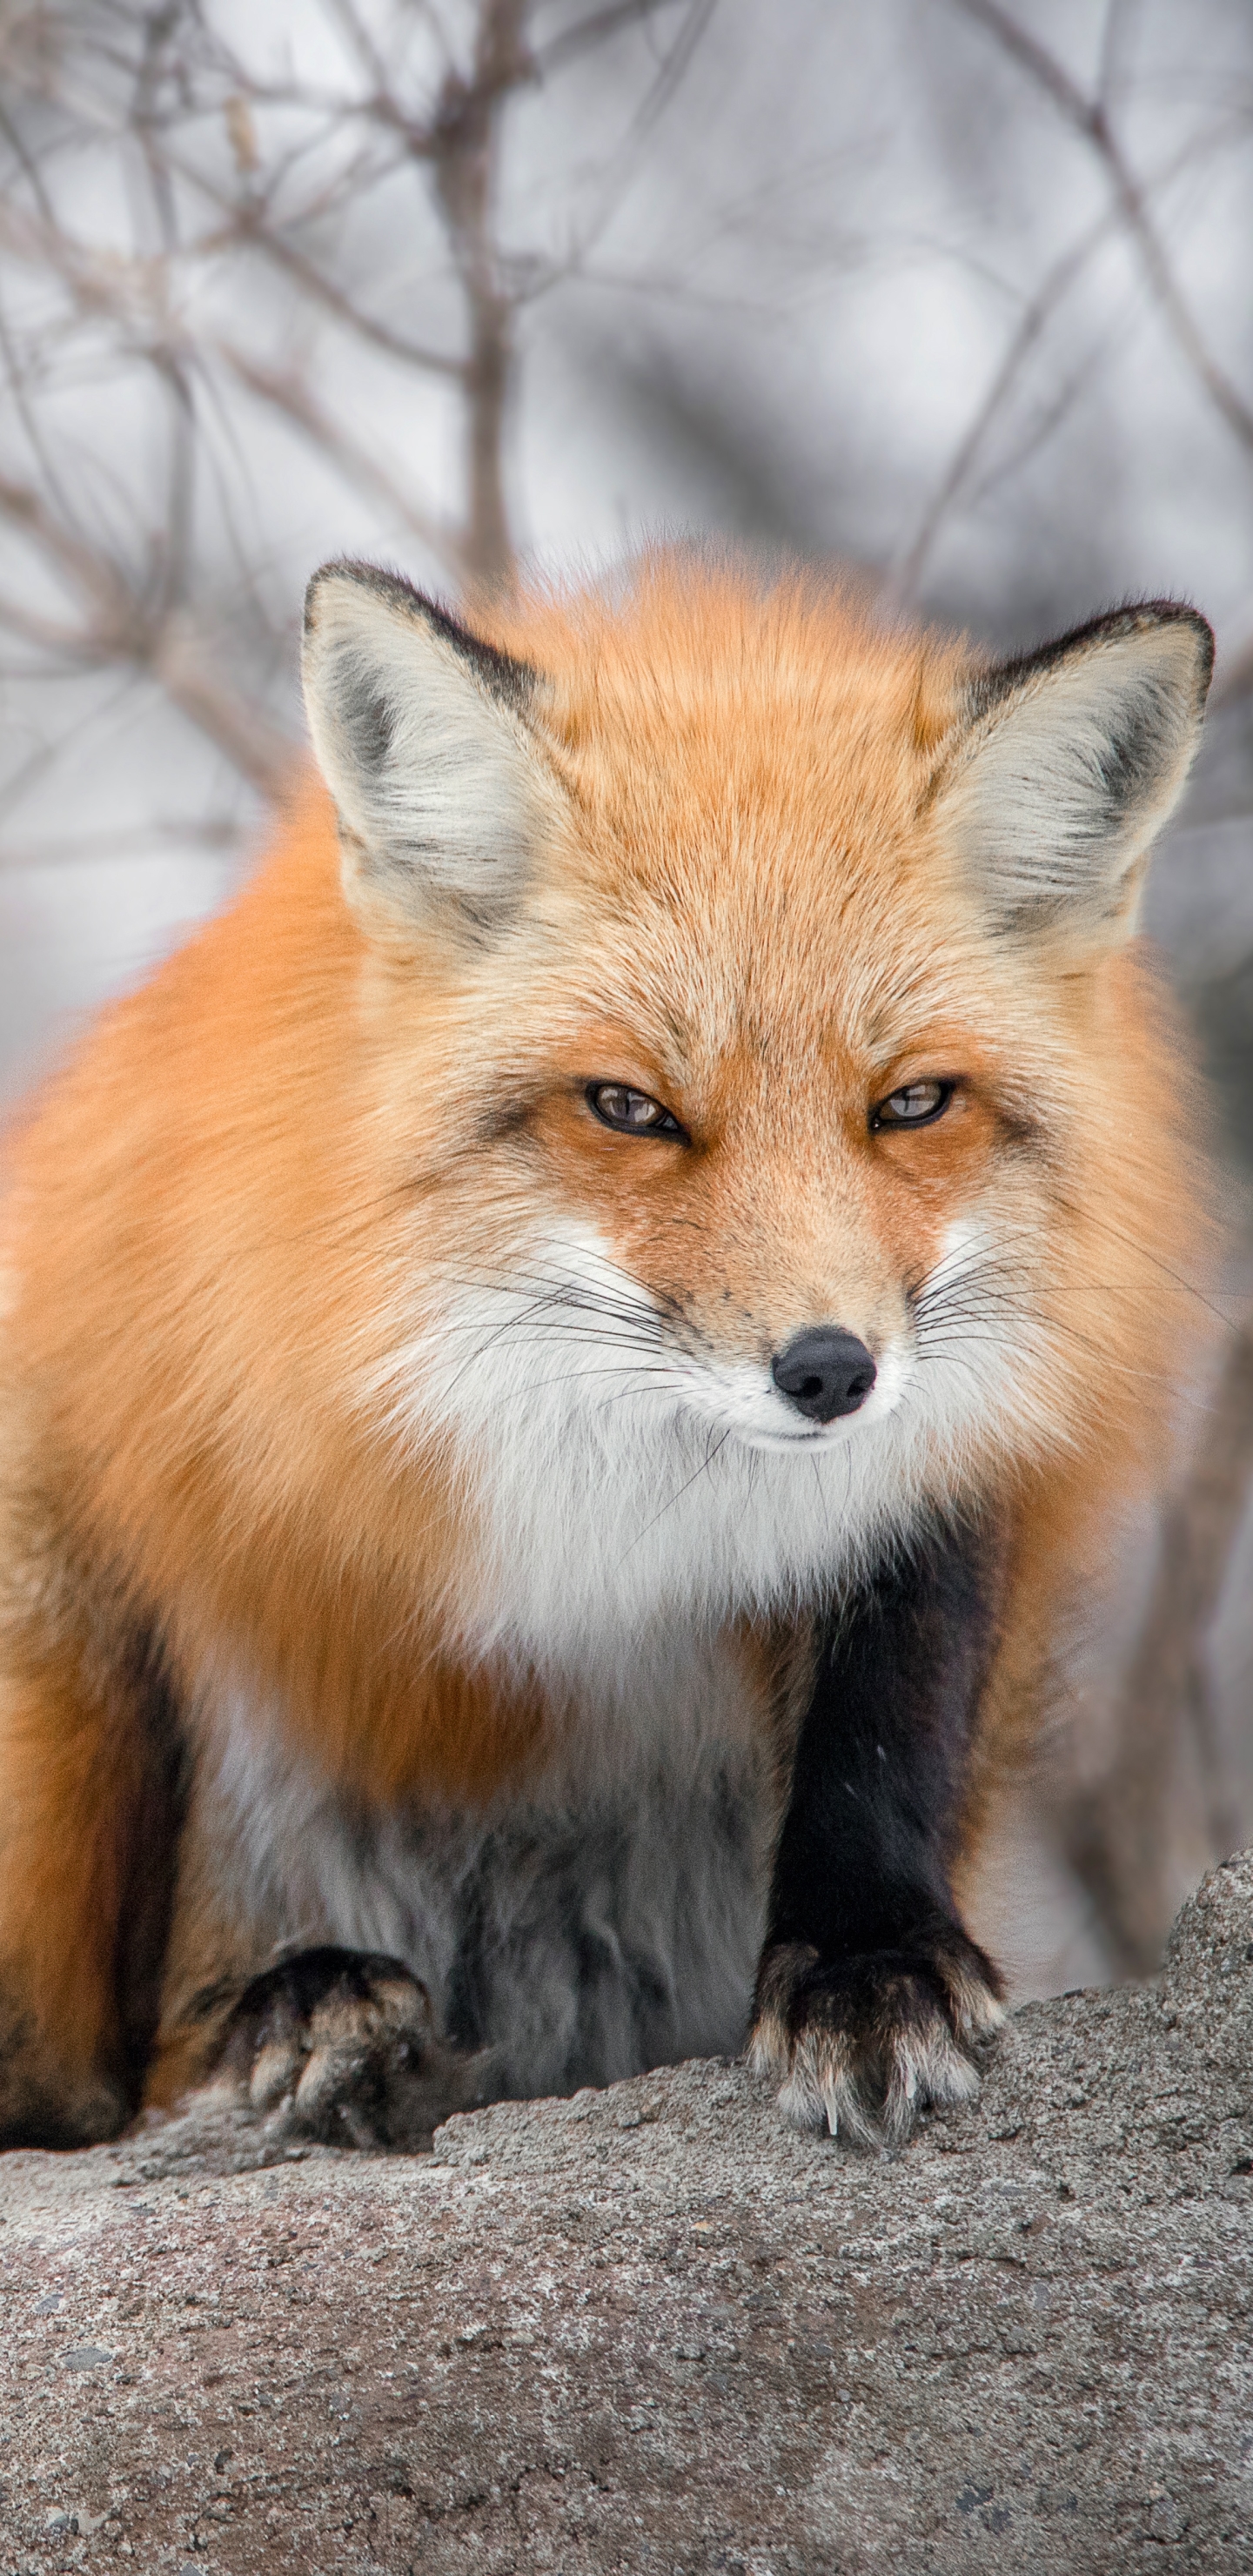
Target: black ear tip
{"x": 1137, "y": 617}
{"x": 389, "y": 586}
{"x": 1180, "y": 612}
{"x": 991, "y": 687}
{"x": 312, "y": 587}
{"x": 502, "y": 673}
{"x": 1207, "y": 643}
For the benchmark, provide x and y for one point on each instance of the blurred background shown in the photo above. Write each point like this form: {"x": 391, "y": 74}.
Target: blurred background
{"x": 954, "y": 291}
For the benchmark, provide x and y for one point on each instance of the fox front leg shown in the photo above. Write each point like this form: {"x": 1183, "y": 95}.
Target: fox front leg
{"x": 312, "y": 2038}
{"x": 90, "y": 1801}
{"x": 871, "y": 1994}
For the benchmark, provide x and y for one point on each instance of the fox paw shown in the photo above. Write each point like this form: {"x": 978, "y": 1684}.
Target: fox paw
{"x": 340, "y": 2046}
{"x": 859, "y": 2045}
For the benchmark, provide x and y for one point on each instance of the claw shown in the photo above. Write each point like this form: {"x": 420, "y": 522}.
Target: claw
{"x": 341, "y": 2046}
{"x": 860, "y": 2045}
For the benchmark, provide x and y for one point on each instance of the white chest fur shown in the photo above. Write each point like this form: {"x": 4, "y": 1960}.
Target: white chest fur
{"x": 607, "y": 1920}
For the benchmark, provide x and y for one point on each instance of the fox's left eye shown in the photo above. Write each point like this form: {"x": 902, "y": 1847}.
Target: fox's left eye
{"x": 633, "y": 1113}
{"x": 915, "y": 1105}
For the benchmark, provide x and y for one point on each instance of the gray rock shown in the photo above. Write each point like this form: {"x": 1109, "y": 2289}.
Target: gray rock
{"x": 654, "y": 2329}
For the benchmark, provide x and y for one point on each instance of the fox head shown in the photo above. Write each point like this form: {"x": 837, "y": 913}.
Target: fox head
{"x": 779, "y": 1131}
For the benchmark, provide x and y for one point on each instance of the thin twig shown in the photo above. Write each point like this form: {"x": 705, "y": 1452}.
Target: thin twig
{"x": 1089, "y": 117}
{"x": 1044, "y": 303}
{"x": 294, "y": 397}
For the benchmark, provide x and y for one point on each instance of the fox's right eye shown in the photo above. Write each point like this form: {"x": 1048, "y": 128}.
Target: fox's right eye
{"x": 633, "y": 1113}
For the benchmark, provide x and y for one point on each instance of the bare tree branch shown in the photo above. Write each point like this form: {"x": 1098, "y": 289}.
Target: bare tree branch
{"x": 159, "y": 639}
{"x": 465, "y": 150}
{"x": 146, "y": 86}
{"x": 595, "y": 29}
{"x": 247, "y": 230}
{"x": 1055, "y": 287}
{"x": 1090, "y": 118}
{"x": 294, "y": 397}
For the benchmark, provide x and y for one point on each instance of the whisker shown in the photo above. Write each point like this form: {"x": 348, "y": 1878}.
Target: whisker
{"x": 1131, "y": 1243}
{"x": 643, "y": 1382}
{"x": 668, "y": 1506}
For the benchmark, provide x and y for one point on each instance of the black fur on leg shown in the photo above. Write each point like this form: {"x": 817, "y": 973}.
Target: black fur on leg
{"x": 871, "y": 1995}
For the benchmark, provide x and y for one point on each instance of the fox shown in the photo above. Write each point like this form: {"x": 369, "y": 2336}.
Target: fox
{"x": 568, "y": 1364}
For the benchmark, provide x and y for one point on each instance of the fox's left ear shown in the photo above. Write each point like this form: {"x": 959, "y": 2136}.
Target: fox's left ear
{"x": 1064, "y": 766}
{"x": 422, "y": 734}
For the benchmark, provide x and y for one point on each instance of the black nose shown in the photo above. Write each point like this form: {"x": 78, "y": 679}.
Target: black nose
{"x": 824, "y": 1372}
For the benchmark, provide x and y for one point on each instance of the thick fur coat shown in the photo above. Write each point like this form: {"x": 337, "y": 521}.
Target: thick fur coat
{"x": 409, "y": 1545}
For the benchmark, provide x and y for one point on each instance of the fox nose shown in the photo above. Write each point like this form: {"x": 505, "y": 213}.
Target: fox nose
{"x": 824, "y": 1372}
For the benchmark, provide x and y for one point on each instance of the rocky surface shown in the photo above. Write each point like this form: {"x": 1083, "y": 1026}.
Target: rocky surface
{"x": 652, "y": 2329}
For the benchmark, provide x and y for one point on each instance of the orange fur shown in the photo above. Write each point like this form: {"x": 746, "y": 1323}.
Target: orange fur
{"x": 221, "y": 1208}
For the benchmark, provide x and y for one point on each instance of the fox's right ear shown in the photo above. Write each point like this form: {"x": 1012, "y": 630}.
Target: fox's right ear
{"x": 421, "y": 733}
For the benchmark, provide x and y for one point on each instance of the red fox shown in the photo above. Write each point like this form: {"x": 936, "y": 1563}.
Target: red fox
{"x": 565, "y": 1365}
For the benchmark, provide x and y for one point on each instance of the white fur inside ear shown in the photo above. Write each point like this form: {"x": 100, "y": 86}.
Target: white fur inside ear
{"x": 1065, "y": 778}
{"x": 439, "y": 792}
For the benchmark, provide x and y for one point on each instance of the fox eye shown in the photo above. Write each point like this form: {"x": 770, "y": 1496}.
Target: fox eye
{"x": 914, "y": 1105}
{"x": 633, "y": 1113}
